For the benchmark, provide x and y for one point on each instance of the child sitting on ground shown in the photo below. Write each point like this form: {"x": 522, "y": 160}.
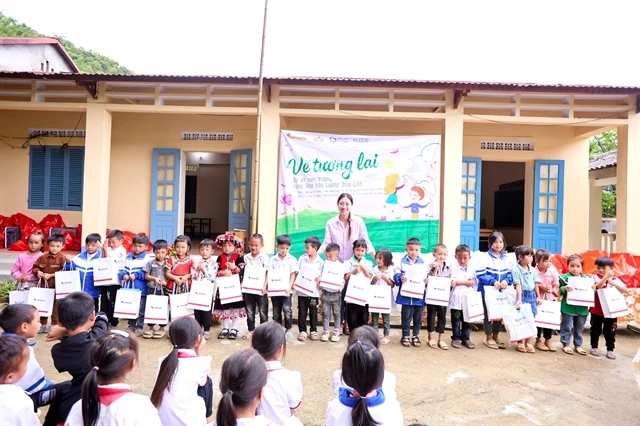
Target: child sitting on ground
{"x": 15, "y": 406}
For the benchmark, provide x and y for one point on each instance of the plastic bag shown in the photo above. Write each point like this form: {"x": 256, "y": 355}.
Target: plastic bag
{"x": 19, "y": 245}
{"x": 68, "y": 240}
{"x": 27, "y": 226}
{"x": 51, "y": 221}
{"x": 4, "y": 222}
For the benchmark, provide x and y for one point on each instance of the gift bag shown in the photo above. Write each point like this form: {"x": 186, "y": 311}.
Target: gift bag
{"x": 380, "y": 299}
{"x": 495, "y": 300}
{"x": 127, "y": 304}
{"x": 520, "y": 323}
{"x": 178, "y": 304}
{"x": 614, "y": 304}
{"x": 17, "y": 297}
{"x": 105, "y": 271}
{"x": 438, "y": 291}
{"x": 582, "y": 293}
{"x": 549, "y": 315}
{"x": 229, "y": 289}
{"x": 278, "y": 282}
{"x": 472, "y": 309}
{"x": 42, "y": 298}
{"x": 201, "y": 295}
{"x": 66, "y": 283}
{"x": 332, "y": 276}
{"x": 306, "y": 281}
{"x": 253, "y": 280}
{"x": 156, "y": 310}
{"x": 414, "y": 285}
{"x": 358, "y": 290}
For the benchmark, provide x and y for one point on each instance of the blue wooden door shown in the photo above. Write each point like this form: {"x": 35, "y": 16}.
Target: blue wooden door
{"x": 470, "y": 204}
{"x": 165, "y": 192}
{"x": 240, "y": 189}
{"x": 548, "y": 200}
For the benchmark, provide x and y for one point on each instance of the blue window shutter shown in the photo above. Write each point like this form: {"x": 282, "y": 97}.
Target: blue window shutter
{"x": 56, "y": 178}
{"x": 37, "y": 177}
{"x": 75, "y": 180}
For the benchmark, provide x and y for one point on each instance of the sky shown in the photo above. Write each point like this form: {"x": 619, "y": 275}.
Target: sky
{"x": 548, "y": 42}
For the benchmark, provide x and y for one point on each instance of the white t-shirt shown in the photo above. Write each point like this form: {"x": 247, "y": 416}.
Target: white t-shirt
{"x": 118, "y": 254}
{"x": 16, "y": 408}
{"x": 33, "y": 380}
{"x": 256, "y": 421}
{"x": 317, "y": 263}
{"x": 118, "y": 407}
{"x": 181, "y": 404}
{"x": 282, "y": 393}
{"x": 386, "y": 413}
{"x": 458, "y": 273}
{"x": 388, "y": 384}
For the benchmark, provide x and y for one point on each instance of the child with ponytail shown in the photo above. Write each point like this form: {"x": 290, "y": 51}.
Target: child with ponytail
{"x": 106, "y": 398}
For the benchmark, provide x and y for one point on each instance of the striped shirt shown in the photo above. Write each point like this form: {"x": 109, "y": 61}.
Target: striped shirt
{"x": 337, "y": 232}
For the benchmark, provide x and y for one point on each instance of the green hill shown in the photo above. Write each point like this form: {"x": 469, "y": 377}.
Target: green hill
{"x": 87, "y": 60}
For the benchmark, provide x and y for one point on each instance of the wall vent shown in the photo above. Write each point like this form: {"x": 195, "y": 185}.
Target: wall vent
{"x": 57, "y": 133}
{"x": 207, "y": 136}
{"x": 507, "y": 146}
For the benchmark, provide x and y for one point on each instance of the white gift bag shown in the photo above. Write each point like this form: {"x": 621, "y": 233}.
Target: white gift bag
{"x": 105, "y": 271}
{"x": 253, "y": 280}
{"x": 358, "y": 290}
{"x": 438, "y": 291}
{"x": 67, "y": 282}
{"x": 201, "y": 295}
{"x": 414, "y": 285}
{"x": 17, "y": 297}
{"x": 582, "y": 293}
{"x": 229, "y": 289}
{"x": 178, "y": 305}
{"x": 380, "y": 299}
{"x": 278, "y": 281}
{"x": 156, "y": 310}
{"x": 306, "y": 281}
{"x": 549, "y": 315}
{"x": 520, "y": 323}
{"x": 332, "y": 276}
{"x": 42, "y": 298}
{"x": 127, "y": 304}
{"x": 495, "y": 300}
{"x": 614, "y": 304}
{"x": 472, "y": 309}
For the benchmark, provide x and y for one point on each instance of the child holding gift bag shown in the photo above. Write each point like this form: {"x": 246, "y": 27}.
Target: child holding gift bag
{"x": 438, "y": 268}
{"x": 22, "y": 270}
{"x": 549, "y": 290}
{"x": 45, "y": 269}
{"x": 178, "y": 271}
{"x": 206, "y": 269}
{"x": 358, "y": 315}
{"x": 154, "y": 273}
{"x": 573, "y": 316}
{"x": 463, "y": 281}
{"x": 383, "y": 274}
{"x": 230, "y": 262}
{"x": 309, "y": 303}
{"x": 527, "y": 283}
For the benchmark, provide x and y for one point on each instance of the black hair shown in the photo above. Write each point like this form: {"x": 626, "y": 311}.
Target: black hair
{"x": 111, "y": 355}
{"x": 463, "y": 248}
{"x": 160, "y": 244}
{"x": 364, "y": 334}
{"x": 363, "y": 371}
{"x": 207, "y": 242}
{"x": 55, "y": 238}
{"x": 494, "y": 236}
{"x": 183, "y": 239}
{"x": 116, "y": 233}
{"x": 604, "y": 261}
{"x": 11, "y": 353}
{"x": 42, "y": 239}
{"x": 257, "y": 237}
{"x": 359, "y": 243}
{"x": 243, "y": 376}
{"x": 386, "y": 255}
{"x": 183, "y": 333}
{"x": 268, "y": 338}
{"x": 350, "y": 198}
{"x": 331, "y": 247}
{"x": 283, "y": 239}
{"x": 314, "y": 241}
{"x": 439, "y": 247}
{"x": 141, "y": 239}
{"x": 75, "y": 310}
{"x": 93, "y": 238}
{"x": 541, "y": 256}
{"x": 522, "y": 251}
{"x": 574, "y": 258}
{"x": 413, "y": 241}
{"x": 13, "y": 316}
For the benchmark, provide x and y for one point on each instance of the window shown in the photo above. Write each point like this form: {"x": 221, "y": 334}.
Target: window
{"x": 191, "y": 194}
{"x": 56, "y": 177}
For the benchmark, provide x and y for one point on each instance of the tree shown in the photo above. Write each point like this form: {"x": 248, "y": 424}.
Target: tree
{"x": 605, "y": 142}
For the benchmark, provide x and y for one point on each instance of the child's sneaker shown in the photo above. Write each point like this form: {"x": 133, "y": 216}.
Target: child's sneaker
{"x": 288, "y": 335}
{"x": 137, "y": 332}
{"x": 335, "y": 337}
{"x": 207, "y": 335}
{"x": 325, "y": 336}
{"x": 42, "y": 330}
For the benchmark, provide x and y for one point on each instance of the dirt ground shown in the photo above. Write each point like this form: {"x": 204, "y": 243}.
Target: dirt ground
{"x": 459, "y": 386}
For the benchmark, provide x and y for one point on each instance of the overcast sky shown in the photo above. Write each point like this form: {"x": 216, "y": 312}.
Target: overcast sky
{"x": 569, "y": 41}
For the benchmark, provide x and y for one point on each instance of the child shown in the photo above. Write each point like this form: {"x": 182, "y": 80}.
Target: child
{"x": 573, "y": 316}
{"x": 22, "y": 270}
{"x": 282, "y": 304}
{"x": 383, "y": 274}
{"x": 494, "y": 269}
{"x": 154, "y": 273}
{"x": 283, "y": 393}
{"x": 15, "y": 406}
{"x": 242, "y": 382}
{"x": 331, "y": 299}
{"x": 113, "y": 249}
{"x": 132, "y": 276}
{"x": 363, "y": 402}
{"x": 549, "y": 290}
{"x": 79, "y": 327}
{"x": 178, "y": 268}
{"x": 257, "y": 259}
{"x": 438, "y": 268}
{"x": 45, "y": 268}
{"x": 183, "y": 393}
{"x": 463, "y": 281}
{"x": 411, "y": 306}
{"x": 604, "y": 278}
{"x": 358, "y": 315}
{"x": 206, "y": 269}
{"x": 107, "y": 399}
{"x": 527, "y": 283}
{"x": 309, "y": 303}
{"x": 230, "y": 262}
{"x": 83, "y": 264}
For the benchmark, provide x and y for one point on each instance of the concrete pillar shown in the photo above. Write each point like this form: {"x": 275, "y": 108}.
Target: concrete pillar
{"x": 451, "y": 174}
{"x": 97, "y": 158}
{"x": 628, "y": 187}
{"x": 529, "y": 185}
{"x": 595, "y": 215}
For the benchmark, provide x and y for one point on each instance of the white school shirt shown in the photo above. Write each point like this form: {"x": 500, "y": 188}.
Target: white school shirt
{"x": 289, "y": 262}
{"x": 317, "y": 264}
{"x": 16, "y": 408}
{"x": 282, "y": 392}
{"x": 118, "y": 254}
{"x": 33, "y": 380}
{"x": 260, "y": 261}
{"x": 181, "y": 404}
{"x": 364, "y": 263}
{"x": 388, "y": 384}
{"x": 387, "y": 413}
{"x": 458, "y": 273}
{"x": 123, "y": 408}
{"x": 256, "y": 421}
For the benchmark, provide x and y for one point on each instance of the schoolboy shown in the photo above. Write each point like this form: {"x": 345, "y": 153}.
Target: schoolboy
{"x": 463, "y": 280}
{"x": 438, "y": 268}
{"x": 45, "y": 268}
{"x": 132, "y": 277}
{"x": 15, "y": 406}
{"x": 331, "y": 299}
{"x": 205, "y": 269}
{"x": 79, "y": 326}
{"x": 82, "y": 263}
{"x": 154, "y": 273}
{"x": 256, "y": 258}
{"x": 308, "y": 303}
{"x": 282, "y": 304}
{"x": 113, "y": 249}
{"x": 411, "y": 306}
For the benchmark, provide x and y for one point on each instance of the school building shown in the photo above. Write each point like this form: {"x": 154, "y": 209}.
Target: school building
{"x": 162, "y": 154}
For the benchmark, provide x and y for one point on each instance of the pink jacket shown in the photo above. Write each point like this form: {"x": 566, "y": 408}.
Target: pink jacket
{"x": 24, "y": 266}
{"x": 550, "y": 276}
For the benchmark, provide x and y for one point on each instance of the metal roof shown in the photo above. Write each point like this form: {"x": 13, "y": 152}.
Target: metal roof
{"x": 41, "y": 40}
{"x": 604, "y": 160}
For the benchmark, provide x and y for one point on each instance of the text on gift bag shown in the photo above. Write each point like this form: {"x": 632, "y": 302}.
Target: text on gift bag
{"x": 229, "y": 289}
{"x": 496, "y": 301}
{"x": 472, "y": 309}
{"x": 380, "y": 299}
{"x": 105, "y": 271}
{"x": 18, "y": 297}
{"x": 127, "y": 304}
{"x": 614, "y": 304}
{"x": 156, "y": 310}
{"x": 67, "y": 282}
{"x": 581, "y": 293}
{"x": 549, "y": 315}
{"x": 42, "y": 299}
{"x": 358, "y": 290}
{"x": 414, "y": 285}
{"x": 201, "y": 295}
{"x": 438, "y": 291}
{"x": 332, "y": 275}
{"x": 253, "y": 280}
{"x": 306, "y": 281}
{"x": 519, "y": 323}
{"x": 178, "y": 306}
{"x": 278, "y": 281}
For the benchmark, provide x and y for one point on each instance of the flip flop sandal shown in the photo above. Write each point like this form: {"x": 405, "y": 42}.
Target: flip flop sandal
{"x": 384, "y": 340}
{"x": 223, "y": 334}
{"x": 491, "y": 344}
{"x": 233, "y": 334}
{"x": 530, "y": 349}
{"x": 442, "y": 345}
{"x": 501, "y": 345}
{"x": 580, "y": 351}
{"x": 455, "y": 344}
{"x": 405, "y": 342}
{"x": 541, "y": 347}
{"x": 159, "y": 334}
{"x": 521, "y": 348}
{"x": 247, "y": 336}
{"x": 468, "y": 345}
{"x": 147, "y": 334}
{"x": 302, "y": 336}
{"x": 433, "y": 344}
{"x": 594, "y": 352}
{"x": 611, "y": 355}
{"x": 567, "y": 350}
{"x": 550, "y": 346}
{"x": 415, "y": 341}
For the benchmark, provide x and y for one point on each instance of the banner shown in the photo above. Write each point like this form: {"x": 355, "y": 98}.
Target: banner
{"x": 394, "y": 181}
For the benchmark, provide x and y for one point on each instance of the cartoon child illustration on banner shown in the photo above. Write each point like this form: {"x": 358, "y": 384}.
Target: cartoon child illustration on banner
{"x": 416, "y": 195}
{"x": 392, "y": 184}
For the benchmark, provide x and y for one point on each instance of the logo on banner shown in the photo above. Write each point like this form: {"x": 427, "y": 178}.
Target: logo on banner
{"x": 297, "y": 138}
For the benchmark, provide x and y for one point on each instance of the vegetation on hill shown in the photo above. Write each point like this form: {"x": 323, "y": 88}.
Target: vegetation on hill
{"x": 605, "y": 142}
{"x": 87, "y": 60}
